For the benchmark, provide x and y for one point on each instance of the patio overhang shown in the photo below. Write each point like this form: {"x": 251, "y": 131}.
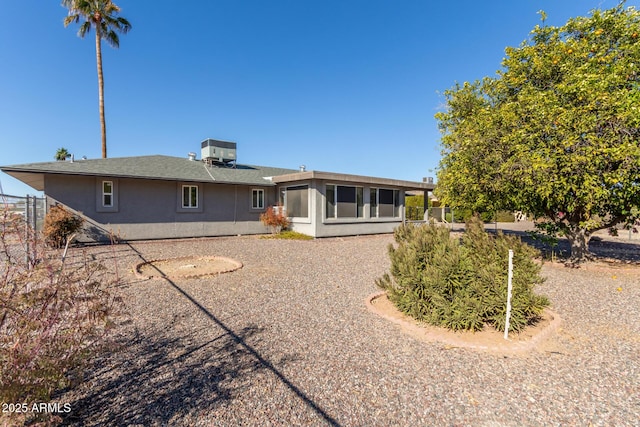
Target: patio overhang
{"x": 360, "y": 179}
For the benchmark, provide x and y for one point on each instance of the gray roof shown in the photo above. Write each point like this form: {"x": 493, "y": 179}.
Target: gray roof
{"x": 153, "y": 167}
{"x": 185, "y": 170}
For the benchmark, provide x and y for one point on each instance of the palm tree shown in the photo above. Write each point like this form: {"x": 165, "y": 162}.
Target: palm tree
{"x": 62, "y": 154}
{"x": 102, "y": 15}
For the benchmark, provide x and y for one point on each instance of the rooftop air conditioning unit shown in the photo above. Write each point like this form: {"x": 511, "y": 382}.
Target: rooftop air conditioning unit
{"x": 215, "y": 151}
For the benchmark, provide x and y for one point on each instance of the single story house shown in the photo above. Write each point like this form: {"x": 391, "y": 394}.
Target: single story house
{"x": 157, "y": 197}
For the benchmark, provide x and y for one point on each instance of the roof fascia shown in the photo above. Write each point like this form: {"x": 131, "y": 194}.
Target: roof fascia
{"x": 360, "y": 179}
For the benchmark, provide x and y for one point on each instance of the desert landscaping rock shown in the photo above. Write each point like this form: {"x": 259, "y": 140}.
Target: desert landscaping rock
{"x": 288, "y": 340}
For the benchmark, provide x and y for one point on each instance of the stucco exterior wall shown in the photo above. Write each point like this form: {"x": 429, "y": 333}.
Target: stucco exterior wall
{"x": 318, "y": 225}
{"x": 151, "y": 209}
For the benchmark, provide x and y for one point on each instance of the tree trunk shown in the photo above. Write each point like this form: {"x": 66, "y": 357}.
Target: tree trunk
{"x": 579, "y": 241}
{"x": 103, "y": 125}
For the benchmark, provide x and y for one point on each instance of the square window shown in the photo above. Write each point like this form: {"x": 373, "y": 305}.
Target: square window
{"x": 296, "y": 201}
{"x": 344, "y": 201}
{"x": 388, "y": 203}
{"x": 189, "y": 196}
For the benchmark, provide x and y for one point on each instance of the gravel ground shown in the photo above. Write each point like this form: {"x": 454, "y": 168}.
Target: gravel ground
{"x": 287, "y": 340}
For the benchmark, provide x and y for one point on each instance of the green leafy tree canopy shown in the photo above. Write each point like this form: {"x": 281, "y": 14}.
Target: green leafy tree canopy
{"x": 556, "y": 132}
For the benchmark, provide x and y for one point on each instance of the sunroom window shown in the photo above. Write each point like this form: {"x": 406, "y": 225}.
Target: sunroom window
{"x": 385, "y": 203}
{"x": 296, "y": 201}
{"x": 344, "y": 201}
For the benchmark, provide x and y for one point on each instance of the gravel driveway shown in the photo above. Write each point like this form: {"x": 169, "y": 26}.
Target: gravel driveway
{"x": 287, "y": 340}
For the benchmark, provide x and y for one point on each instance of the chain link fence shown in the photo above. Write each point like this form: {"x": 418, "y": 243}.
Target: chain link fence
{"x": 31, "y": 208}
{"x": 417, "y": 213}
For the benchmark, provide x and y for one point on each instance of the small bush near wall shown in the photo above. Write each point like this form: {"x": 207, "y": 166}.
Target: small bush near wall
{"x": 53, "y": 317}
{"x": 461, "y": 284}
{"x": 275, "y": 219}
{"x": 60, "y": 225}
{"x": 288, "y": 235}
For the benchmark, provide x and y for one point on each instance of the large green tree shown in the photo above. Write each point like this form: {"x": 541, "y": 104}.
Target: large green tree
{"x": 102, "y": 16}
{"x": 556, "y": 132}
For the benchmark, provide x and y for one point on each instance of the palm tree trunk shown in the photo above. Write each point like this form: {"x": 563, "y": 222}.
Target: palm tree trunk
{"x": 103, "y": 125}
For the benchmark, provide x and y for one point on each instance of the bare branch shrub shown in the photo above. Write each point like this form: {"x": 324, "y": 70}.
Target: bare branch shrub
{"x": 60, "y": 225}
{"x": 53, "y": 316}
{"x": 275, "y": 218}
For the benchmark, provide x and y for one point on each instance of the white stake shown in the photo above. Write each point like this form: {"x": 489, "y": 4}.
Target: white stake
{"x": 509, "y": 287}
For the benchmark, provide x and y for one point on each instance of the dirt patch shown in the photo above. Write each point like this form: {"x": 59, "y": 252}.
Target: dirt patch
{"x": 186, "y": 267}
{"x": 489, "y": 339}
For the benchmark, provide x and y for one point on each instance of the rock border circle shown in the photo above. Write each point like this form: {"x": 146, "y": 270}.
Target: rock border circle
{"x": 236, "y": 265}
{"x": 452, "y": 339}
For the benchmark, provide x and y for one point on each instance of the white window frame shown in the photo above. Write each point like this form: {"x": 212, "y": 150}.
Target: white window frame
{"x": 191, "y": 188}
{"x": 257, "y": 194}
{"x": 107, "y": 193}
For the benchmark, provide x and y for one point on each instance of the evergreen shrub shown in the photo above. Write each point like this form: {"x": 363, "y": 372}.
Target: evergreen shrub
{"x": 461, "y": 284}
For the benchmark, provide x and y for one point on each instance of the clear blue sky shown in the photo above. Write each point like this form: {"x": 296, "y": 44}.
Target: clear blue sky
{"x": 337, "y": 85}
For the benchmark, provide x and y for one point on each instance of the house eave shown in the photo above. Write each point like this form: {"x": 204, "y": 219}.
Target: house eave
{"x": 342, "y": 177}
{"x": 34, "y": 180}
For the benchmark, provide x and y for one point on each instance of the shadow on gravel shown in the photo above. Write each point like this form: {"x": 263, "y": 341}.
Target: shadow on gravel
{"x": 158, "y": 380}
{"x": 158, "y": 383}
{"x": 601, "y": 249}
{"x": 607, "y": 250}
{"x": 263, "y": 362}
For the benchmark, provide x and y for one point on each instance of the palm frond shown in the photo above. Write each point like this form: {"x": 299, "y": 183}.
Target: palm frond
{"x": 84, "y": 29}
{"x": 111, "y": 37}
{"x": 97, "y": 12}
{"x": 70, "y": 19}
